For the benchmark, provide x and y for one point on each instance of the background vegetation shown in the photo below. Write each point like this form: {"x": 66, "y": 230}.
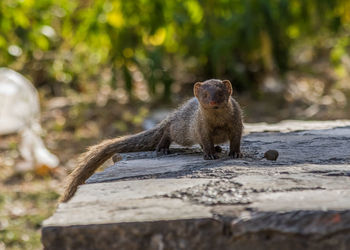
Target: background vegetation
{"x": 70, "y": 44}
{"x": 101, "y": 65}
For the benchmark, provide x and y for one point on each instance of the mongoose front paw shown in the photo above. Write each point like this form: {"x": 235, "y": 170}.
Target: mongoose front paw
{"x": 218, "y": 149}
{"x": 162, "y": 151}
{"x": 210, "y": 157}
{"x": 235, "y": 155}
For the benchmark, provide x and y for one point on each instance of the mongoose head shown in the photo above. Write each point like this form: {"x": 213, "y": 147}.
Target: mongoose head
{"x": 213, "y": 94}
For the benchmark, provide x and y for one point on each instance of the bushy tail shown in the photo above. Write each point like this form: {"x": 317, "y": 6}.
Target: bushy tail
{"x": 98, "y": 154}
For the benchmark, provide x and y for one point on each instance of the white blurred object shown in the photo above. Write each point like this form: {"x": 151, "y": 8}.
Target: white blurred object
{"x": 20, "y": 113}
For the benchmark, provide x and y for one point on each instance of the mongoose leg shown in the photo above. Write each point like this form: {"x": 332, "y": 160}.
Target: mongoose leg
{"x": 235, "y": 145}
{"x": 163, "y": 145}
{"x": 209, "y": 150}
{"x": 217, "y": 148}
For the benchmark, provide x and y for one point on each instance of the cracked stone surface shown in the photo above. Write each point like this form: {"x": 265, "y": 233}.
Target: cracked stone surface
{"x": 180, "y": 201}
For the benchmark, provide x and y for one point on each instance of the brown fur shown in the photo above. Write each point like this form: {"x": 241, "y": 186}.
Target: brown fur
{"x": 213, "y": 117}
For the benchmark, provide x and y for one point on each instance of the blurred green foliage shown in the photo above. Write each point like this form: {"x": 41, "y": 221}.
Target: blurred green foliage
{"x": 74, "y": 43}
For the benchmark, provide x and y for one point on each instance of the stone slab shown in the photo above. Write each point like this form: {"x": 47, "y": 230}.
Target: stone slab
{"x": 180, "y": 201}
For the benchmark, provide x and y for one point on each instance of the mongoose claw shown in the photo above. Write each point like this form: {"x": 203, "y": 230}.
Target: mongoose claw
{"x": 235, "y": 155}
{"x": 210, "y": 157}
{"x": 162, "y": 151}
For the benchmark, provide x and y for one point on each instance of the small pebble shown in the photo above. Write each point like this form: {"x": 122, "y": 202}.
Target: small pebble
{"x": 271, "y": 155}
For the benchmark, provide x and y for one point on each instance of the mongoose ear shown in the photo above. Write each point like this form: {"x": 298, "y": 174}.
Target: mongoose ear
{"x": 228, "y": 86}
{"x": 196, "y": 87}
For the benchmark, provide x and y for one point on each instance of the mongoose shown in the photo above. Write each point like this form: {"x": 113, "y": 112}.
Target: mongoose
{"x": 211, "y": 117}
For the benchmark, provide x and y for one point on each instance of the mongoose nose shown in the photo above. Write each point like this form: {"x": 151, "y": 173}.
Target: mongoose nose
{"x": 212, "y": 103}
